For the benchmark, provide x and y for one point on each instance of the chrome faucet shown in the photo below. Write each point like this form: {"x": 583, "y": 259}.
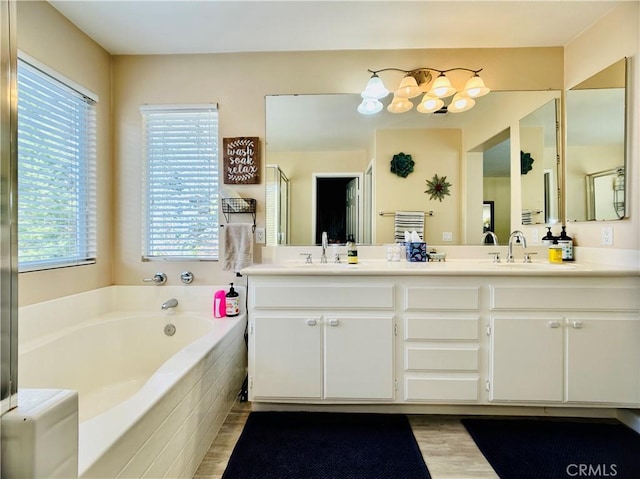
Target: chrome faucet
{"x": 171, "y": 303}
{"x": 490, "y": 234}
{"x": 519, "y": 237}
{"x": 325, "y": 244}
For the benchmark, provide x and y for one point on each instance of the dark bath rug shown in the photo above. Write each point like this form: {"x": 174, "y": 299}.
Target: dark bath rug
{"x": 549, "y": 449}
{"x": 304, "y": 445}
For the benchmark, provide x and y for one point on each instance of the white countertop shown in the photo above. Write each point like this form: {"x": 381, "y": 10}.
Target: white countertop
{"x": 450, "y": 267}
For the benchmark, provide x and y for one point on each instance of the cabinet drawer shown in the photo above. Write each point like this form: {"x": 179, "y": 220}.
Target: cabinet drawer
{"x": 325, "y": 296}
{"x": 441, "y": 298}
{"x": 565, "y": 298}
{"x": 459, "y": 359}
{"x": 441, "y": 389}
{"x": 453, "y": 329}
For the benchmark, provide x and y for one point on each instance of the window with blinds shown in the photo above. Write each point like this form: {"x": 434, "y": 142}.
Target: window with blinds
{"x": 56, "y": 172}
{"x": 181, "y": 182}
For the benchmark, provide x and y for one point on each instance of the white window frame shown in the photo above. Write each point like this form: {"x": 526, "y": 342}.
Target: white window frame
{"x": 57, "y": 139}
{"x": 180, "y": 182}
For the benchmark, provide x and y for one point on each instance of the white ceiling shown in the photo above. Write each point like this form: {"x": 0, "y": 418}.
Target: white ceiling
{"x": 211, "y": 26}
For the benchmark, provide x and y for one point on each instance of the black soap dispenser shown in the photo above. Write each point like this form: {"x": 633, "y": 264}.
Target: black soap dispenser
{"x": 232, "y": 302}
{"x": 566, "y": 243}
{"x": 548, "y": 239}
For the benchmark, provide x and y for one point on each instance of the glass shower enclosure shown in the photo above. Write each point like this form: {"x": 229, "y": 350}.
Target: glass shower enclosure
{"x": 277, "y": 206}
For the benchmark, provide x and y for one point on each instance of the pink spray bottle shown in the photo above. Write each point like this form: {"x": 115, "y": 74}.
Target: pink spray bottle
{"x": 219, "y": 304}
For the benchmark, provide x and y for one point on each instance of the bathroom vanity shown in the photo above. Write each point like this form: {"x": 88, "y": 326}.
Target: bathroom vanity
{"x": 455, "y": 333}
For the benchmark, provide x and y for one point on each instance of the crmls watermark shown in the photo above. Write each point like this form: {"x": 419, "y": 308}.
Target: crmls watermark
{"x": 592, "y": 470}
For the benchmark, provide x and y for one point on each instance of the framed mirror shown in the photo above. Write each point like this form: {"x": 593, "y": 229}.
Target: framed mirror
{"x": 596, "y": 146}
{"x": 313, "y": 136}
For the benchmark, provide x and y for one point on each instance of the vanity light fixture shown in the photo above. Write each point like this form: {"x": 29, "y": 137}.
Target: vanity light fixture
{"x": 417, "y": 82}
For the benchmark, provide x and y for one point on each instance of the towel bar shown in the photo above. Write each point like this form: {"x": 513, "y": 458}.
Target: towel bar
{"x": 392, "y": 213}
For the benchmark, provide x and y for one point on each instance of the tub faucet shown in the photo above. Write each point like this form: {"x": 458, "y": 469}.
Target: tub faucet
{"x": 519, "y": 238}
{"x": 490, "y": 234}
{"x": 172, "y": 303}
{"x": 325, "y": 245}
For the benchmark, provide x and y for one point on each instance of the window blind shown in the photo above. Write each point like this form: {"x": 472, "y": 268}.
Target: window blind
{"x": 56, "y": 172}
{"x": 181, "y": 182}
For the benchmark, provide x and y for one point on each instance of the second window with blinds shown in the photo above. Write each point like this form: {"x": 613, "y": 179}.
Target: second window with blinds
{"x": 180, "y": 182}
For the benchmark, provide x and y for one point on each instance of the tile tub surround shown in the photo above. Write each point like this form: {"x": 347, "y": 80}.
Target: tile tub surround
{"x": 152, "y": 435}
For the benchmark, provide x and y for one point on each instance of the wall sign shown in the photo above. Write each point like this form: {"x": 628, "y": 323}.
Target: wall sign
{"x": 241, "y": 160}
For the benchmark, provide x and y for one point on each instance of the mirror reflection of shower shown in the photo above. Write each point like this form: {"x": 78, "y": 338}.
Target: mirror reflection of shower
{"x": 277, "y": 209}
{"x": 605, "y": 194}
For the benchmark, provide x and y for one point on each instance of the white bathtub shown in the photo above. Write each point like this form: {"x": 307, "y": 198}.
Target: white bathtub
{"x": 149, "y": 404}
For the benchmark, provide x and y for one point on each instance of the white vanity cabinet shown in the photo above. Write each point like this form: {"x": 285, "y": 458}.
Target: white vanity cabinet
{"x": 321, "y": 341}
{"x": 565, "y": 343}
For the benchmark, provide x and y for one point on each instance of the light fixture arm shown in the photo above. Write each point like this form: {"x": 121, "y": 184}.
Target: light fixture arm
{"x": 407, "y": 72}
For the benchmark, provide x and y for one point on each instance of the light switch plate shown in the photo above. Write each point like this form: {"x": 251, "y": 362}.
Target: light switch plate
{"x": 447, "y": 236}
{"x": 260, "y": 236}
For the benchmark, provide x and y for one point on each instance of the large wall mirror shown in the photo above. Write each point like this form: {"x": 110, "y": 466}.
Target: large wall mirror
{"x": 334, "y": 166}
{"x": 596, "y": 149}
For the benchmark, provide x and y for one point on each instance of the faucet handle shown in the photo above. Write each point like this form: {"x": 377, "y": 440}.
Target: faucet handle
{"x": 496, "y": 256}
{"x": 527, "y": 256}
{"x": 308, "y": 259}
{"x": 158, "y": 278}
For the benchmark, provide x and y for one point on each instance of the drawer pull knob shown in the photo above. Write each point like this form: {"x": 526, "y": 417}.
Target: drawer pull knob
{"x": 333, "y": 322}
{"x": 576, "y": 324}
{"x": 554, "y": 324}
{"x": 312, "y": 322}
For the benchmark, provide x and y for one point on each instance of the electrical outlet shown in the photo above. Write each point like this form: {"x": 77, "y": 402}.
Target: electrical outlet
{"x": 447, "y": 236}
{"x": 260, "y": 236}
{"x": 607, "y": 235}
{"x": 535, "y": 236}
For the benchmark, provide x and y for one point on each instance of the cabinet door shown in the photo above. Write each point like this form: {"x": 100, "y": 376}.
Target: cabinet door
{"x": 603, "y": 360}
{"x": 359, "y": 357}
{"x": 286, "y": 359}
{"x": 526, "y": 359}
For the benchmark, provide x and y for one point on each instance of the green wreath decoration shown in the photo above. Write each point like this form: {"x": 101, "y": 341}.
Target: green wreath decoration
{"x": 526, "y": 163}
{"x": 402, "y": 165}
{"x": 437, "y": 188}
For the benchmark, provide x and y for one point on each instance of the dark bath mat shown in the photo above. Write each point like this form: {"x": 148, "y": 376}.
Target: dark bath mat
{"x": 549, "y": 449}
{"x": 303, "y": 445}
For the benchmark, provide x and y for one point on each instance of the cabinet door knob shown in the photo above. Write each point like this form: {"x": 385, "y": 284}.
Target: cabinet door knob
{"x": 576, "y": 324}
{"x": 333, "y": 322}
{"x": 312, "y": 322}
{"x": 554, "y": 324}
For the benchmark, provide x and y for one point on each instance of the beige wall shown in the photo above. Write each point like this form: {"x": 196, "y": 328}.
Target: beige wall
{"x": 434, "y": 151}
{"x": 239, "y": 83}
{"x": 51, "y": 39}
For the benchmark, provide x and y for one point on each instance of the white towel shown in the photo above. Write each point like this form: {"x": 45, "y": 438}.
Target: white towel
{"x": 238, "y": 246}
{"x": 409, "y": 221}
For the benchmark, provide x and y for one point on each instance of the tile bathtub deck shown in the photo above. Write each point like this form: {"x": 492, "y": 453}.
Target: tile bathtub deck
{"x": 447, "y": 448}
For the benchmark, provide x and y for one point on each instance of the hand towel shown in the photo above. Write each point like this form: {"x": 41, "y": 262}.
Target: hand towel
{"x": 409, "y": 221}
{"x": 238, "y": 246}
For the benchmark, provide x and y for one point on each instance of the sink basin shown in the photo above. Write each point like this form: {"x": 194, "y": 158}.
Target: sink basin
{"x": 535, "y": 266}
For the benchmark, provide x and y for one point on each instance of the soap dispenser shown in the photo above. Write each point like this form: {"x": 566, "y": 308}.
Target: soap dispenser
{"x": 566, "y": 243}
{"x": 548, "y": 239}
{"x": 352, "y": 250}
{"x": 233, "y": 302}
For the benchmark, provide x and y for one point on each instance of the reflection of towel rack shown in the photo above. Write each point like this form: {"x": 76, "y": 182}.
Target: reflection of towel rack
{"x": 392, "y": 213}
{"x": 240, "y": 206}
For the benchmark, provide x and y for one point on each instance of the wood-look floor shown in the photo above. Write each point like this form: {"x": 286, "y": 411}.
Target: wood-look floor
{"x": 447, "y": 448}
